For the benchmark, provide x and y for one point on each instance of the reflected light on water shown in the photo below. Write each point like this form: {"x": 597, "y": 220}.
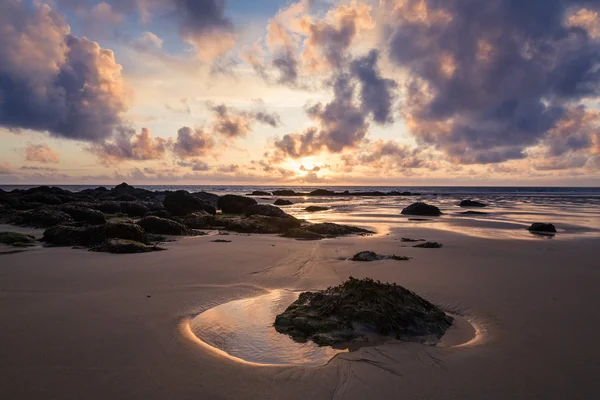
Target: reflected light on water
{"x": 243, "y": 330}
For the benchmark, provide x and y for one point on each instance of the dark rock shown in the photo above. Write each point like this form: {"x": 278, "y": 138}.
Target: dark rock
{"x": 232, "y": 204}
{"x": 283, "y": 202}
{"x": 125, "y": 197}
{"x": 429, "y": 245}
{"x": 221, "y": 241}
{"x": 123, "y": 230}
{"x": 160, "y": 214}
{"x": 208, "y": 198}
{"x": 409, "y": 240}
{"x": 122, "y": 246}
{"x": 329, "y": 317}
{"x": 302, "y": 234}
{"x": 473, "y": 213}
{"x": 472, "y": 203}
{"x": 260, "y": 193}
{"x": 316, "y": 208}
{"x": 322, "y": 192}
{"x": 367, "y": 256}
{"x": 17, "y": 239}
{"x": 284, "y": 192}
{"x": 133, "y": 209}
{"x": 542, "y": 227}
{"x": 331, "y": 229}
{"x": 421, "y": 208}
{"x": 267, "y": 211}
{"x": 200, "y": 220}
{"x": 163, "y": 226}
{"x": 41, "y": 218}
{"x": 63, "y": 235}
{"x": 261, "y": 224}
{"x": 108, "y": 207}
{"x": 87, "y": 215}
{"x": 43, "y": 198}
{"x": 181, "y": 203}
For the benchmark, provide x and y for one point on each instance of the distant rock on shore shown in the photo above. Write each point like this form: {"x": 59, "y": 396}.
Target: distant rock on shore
{"x": 423, "y": 209}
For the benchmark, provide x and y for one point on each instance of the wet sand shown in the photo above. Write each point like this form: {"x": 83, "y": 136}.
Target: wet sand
{"x": 87, "y": 325}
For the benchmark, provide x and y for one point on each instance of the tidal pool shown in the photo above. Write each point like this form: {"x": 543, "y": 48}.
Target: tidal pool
{"x": 243, "y": 329}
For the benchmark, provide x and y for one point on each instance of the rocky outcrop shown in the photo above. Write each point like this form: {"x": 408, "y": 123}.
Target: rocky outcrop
{"x": 200, "y": 220}
{"x": 283, "y": 202}
{"x": 267, "y": 211}
{"x": 121, "y": 246}
{"x": 429, "y": 245}
{"x": 163, "y": 226}
{"x": 284, "y": 192}
{"x": 367, "y": 256}
{"x": 17, "y": 239}
{"x": 40, "y": 218}
{"x": 260, "y": 193}
{"x": 542, "y": 227}
{"x": 261, "y": 224}
{"x": 472, "y": 203}
{"x": 64, "y": 235}
{"x": 423, "y": 209}
{"x": 82, "y": 214}
{"x": 324, "y": 230}
{"x": 322, "y": 192}
{"x": 315, "y": 209}
{"x": 329, "y": 317}
{"x": 232, "y": 204}
{"x": 133, "y": 209}
{"x": 181, "y": 203}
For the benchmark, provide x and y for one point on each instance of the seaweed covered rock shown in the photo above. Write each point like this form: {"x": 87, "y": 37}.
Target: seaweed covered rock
{"x": 87, "y": 215}
{"x": 472, "y": 203}
{"x": 232, "y": 204}
{"x": 160, "y": 214}
{"x": 64, "y": 235}
{"x": 331, "y": 229}
{"x": 267, "y": 211}
{"x": 181, "y": 203}
{"x": 17, "y": 239}
{"x": 133, "y": 208}
{"x": 367, "y": 256}
{"x": 330, "y": 317}
{"x": 316, "y": 208}
{"x": 302, "y": 234}
{"x": 429, "y": 245}
{"x": 283, "y": 202}
{"x": 163, "y": 226}
{"x": 199, "y": 220}
{"x": 108, "y": 207}
{"x": 421, "y": 208}
{"x": 542, "y": 227}
{"x": 43, "y": 198}
{"x": 40, "y": 218}
{"x": 122, "y": 246}
{"x": 261, "y": 224}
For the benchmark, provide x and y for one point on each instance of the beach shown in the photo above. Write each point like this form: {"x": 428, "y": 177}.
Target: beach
{"x": 91, "y": 325}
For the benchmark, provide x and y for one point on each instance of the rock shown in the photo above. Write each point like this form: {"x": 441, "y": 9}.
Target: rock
{"x": 472, "y": 203}
{"x": 331, "y": 229}
{"x": 163, "y": 226}
{"x": 366, "y": 256}
{"x": 261, "y": 224}
{"x": 160, "y": 214}
{"x": 329, "y": 317}
{"x": 409, "y": 240}
{"x": 473, "y": 213}
{"x": 542, "y": 227}
{"x": 429, "y": 245}
{"x": 87, "y": 215}
{"x": 322, "y": 192}
{"x": 43, "y": 198}
{"x": 207, "y": 198}
{"x": 181, "y": 203}
{"x": 17, "y": 239}
{"x": 232, "y": 204}
{"x": 421, "y": 208}
{"x": 125, "y": 197}
{"x": 63, "y": 235}
{"x": 267, "y": 211}
{"x": 122, "y": 246}
{"x": 133, "y": 209}
{"x": 302, "y": 234}
{"x": 283, "y": 202}
{"x": 316, "y": 208}
{"x": 284, "y": 192}
{"x": 200, "y": 220}
{"x": 41, "y": 218}
{"x": 123, "y": 230}
{"x": 221, "y": 241}
{"x": 108, "y": 207}
{"x": 260, "y": 193}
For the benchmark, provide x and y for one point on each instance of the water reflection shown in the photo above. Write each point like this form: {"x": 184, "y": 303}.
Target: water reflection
{"x": 243, "y": 329}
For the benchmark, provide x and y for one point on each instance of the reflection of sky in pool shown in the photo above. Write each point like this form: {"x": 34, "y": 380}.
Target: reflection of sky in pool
{"x": 244, "y": 329}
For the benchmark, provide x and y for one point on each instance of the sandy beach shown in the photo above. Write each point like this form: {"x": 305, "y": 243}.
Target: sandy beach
{"x": 96, "y": 326}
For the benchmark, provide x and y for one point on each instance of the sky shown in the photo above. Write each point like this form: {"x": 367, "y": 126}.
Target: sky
{"x": 315, "y": 92}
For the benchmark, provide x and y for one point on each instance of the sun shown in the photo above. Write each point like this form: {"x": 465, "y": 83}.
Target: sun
{"x": 303, "y": 166}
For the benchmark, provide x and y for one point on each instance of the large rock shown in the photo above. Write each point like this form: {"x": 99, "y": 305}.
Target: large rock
{"x": 261, "y": 224}
{"x": 108, "y": 207}
{"x": 322, "y": 192}
{"x": 41, "y": 218}
{"x": 181, "y": 203}
{"x": 285, "y": 192}
{"x": 283, "y": 202}
{"x": 232, "y": 204}
{"x": 133, "y": 208}
{"x": 267, "y": 211}
{"x": 17, "y": 239}
{"x": 472, "y": 203}
{"x": 43, "y": 198}
{"x": 82, "y": 214}
{"x": 302, "y": 234}
{"x": 421, "y": 208}
{"x": 542, "y": 227}
{"x": 316, "y": 208}
{"x": 121, "y": 246}
{"x": 163, "y": 226}
{"x": 324, "y": 230}
{"x": 63, "y": 235}
{"x": 200, "y": 220}
{"x": 260, "y": 193}
{"x": 330, "y": 317}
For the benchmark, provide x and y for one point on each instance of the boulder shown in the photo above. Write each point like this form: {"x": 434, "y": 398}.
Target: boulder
{"x": 421, "y": 208}
{"x": 181, "y": 203}
{"x": 43, "y": 198}
{"x": 160, "y": 214}
{"x": 302, "y": 234}
{"x": 108, "y": 207}
{"x": 260, "y": 193}
{"x": 232, "y": 204}
{"x": 329, "y": 317}
{"x": 315, "y": 209}
{"x": 122, "y": 246}
{"x": 63, "y": 235}
{"x": 471, "y": 212}
{"x": 125, "y": 197}
{"x": 331, "y": 229}
{"x": 283, "y": 202}
{"x": 133, "y": 209}
{"x": 285, "y": 192}
{"x": 123, "y": 230}
{"x": 472, "y": 203}
{"x": 200, "y": 220}
{"x": 366, "y": 256}
{"x": 261, "y": 224}
{"x": 429, "y": 245}
{"x": 41, "y": 218}
{"x": 82, "y": 214}
{"x": 542, "y": 227}
{"x": 208, "y": 198}
{"x": 163, "y": 226}
{"x": 322, "y": 192}
{"x": 267, "y": 211}
{"x": 17, "y": 239}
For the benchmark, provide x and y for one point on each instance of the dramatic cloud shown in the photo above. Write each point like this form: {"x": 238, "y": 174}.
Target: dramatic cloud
{"x": 128, "y": 145}
{"x": 193, "y": 143}
{"x": 41, "y": 153}
{"x": 233, "y": 124}
{"x": 53, "y": 81}
{"x": 489, "y": 79}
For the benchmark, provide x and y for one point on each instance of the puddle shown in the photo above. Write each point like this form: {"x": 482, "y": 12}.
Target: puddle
{"x": 242, "y": 330}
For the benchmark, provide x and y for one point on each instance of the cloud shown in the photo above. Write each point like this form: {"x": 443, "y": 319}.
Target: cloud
{"x": 128, "y": 145}
{"x": 41, "y": 153}
{"x": 575, "y": 131}
{"x": 195, "y": 165}
{"x": 489, "y": 79}
{"x": 5, "y": 168}
{"x": 193, "y": 143}
{"x": 228, "y": 169}
{"x": 183, "y": 108}
{"x": 233, "y": 124}
{"x": 147, "y": 42}
{"x": 53, "y": 81}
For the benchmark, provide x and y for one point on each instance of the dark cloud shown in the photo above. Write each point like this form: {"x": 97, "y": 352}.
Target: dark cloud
{"x": 53, "y": 81}
{"x": 489, "y": 79}
{"x": 228, "y": 169}
{"x": 200, "y": 18}
{"x": 286, "y": 65}
{"x": 193, "y": 143}
{"x": 195, "y": 165}
{"x": 233, "y": 123}
{"x": 127, "y": 145}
